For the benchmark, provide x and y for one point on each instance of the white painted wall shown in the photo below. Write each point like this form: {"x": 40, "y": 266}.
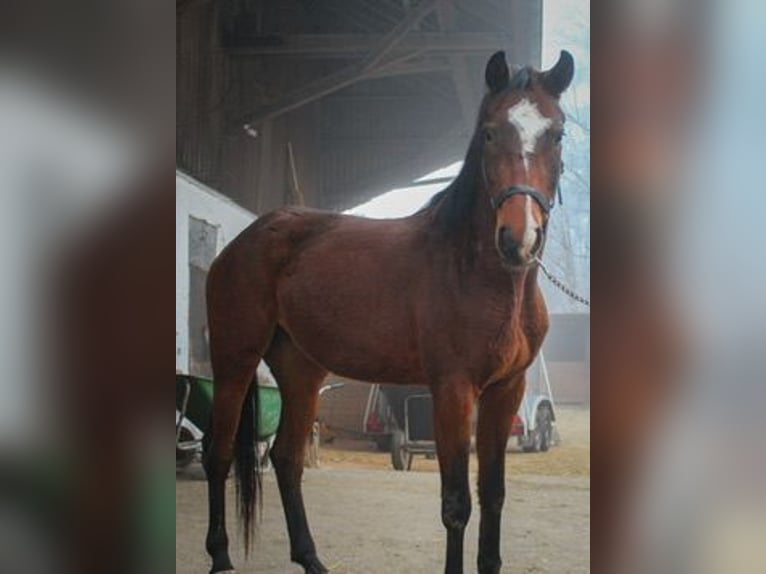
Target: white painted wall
{"x": 197, "y": 200}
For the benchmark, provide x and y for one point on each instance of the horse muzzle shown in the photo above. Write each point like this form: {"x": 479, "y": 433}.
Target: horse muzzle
{"x": 518, "y": 253}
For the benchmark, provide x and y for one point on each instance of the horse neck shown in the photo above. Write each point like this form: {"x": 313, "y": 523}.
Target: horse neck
{"x": 471, "y": 245}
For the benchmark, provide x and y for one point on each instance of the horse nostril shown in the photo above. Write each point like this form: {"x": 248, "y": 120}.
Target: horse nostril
{"x": 508, "y": 245}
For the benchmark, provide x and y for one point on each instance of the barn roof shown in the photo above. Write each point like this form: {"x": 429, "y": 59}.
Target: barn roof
{"x": 343, "y": 99}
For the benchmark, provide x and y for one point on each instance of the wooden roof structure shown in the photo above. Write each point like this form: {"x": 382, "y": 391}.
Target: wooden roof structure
{"x": 331, "y": 102}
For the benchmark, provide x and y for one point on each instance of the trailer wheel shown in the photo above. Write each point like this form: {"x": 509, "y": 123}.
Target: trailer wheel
{"x": 540, "y": 441}
{"x": 545, "y": 427}
{"x": 401, "y": 458}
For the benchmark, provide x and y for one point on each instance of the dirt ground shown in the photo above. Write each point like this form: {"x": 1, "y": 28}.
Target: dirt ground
{"x": 367, "y": 518}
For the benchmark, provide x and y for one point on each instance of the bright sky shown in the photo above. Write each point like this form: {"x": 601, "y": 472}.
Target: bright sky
{"x": 566, "y": 24}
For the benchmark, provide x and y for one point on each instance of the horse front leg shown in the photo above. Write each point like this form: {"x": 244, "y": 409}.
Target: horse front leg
{"x": 453, "y": 405}
{"x": 497, "y": 404}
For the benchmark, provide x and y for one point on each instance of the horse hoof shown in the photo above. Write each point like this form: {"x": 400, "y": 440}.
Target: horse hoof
{"x": 223, "y": 572}
{"x": 314, "y": 566}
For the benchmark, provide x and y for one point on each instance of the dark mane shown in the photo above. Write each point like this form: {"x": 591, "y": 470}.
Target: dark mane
{"x": 453, "y": 206}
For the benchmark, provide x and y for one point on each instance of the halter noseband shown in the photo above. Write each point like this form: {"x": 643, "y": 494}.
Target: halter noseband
{"x": 545, "y": 204}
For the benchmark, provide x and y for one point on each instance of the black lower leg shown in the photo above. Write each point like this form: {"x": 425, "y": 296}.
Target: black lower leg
{"x": 217, "y": 541}
{"x": 302, "y": 549}
{"x": 456, "y": 510}
{"x": 491, "y": 498}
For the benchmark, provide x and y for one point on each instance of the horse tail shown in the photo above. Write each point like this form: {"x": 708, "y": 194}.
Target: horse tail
{"x": 247, "y": 467}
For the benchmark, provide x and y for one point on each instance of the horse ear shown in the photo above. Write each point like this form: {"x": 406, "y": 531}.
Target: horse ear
{"x": 558, "y": 78}
{"x": 496, "y": 75}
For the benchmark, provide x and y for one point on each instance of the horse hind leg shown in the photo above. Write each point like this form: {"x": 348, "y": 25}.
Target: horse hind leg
{"x": 299, "y": 379}
{"x": 238, "y": 336}
{"x": 228, "y": 398}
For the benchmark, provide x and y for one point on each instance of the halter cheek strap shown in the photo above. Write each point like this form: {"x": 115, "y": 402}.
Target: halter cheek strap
{"x": 545, "y": 204}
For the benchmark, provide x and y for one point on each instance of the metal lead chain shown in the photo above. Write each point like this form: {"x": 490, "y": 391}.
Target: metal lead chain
{"x": 564, "y": 289}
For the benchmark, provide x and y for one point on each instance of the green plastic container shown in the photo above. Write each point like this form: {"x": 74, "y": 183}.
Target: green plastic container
{"x": 201, "y": 403}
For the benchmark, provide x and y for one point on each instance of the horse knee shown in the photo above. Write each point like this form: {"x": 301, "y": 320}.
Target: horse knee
{"x": 456, "y": 509}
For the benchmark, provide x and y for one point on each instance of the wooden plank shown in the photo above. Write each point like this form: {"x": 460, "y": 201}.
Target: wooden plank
{"x": 410, "y": 67}
{"x": 343, "y": 77}
{"x": 357, "y": 45}
{"x": 295, "y": 188}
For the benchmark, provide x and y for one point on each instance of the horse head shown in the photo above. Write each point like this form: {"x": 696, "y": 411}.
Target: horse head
{"x": 519, "y": 131}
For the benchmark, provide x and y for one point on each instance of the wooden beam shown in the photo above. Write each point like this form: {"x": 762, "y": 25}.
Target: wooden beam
{"x": 409, "y": 67}
{"x": 326, "y": 46}
{"x": 494, "y": 17}
{"x": 345, "y": 76}
{"x": 397, "y": 34}
{"x": 461, "y": 76}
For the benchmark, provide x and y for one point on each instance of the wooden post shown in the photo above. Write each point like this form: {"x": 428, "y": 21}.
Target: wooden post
{"x": 295, "y": 188}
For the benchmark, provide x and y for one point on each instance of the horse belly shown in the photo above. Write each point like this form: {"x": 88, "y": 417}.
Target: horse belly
{"x": 352, "y": 325}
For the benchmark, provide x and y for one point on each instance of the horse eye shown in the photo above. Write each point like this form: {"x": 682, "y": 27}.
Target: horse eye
{"x": 488, "y": 135}
{"x": 558, "y": 137}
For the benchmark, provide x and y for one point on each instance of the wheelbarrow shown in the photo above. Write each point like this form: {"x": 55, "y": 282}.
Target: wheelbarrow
{"x": 194, "y": 403}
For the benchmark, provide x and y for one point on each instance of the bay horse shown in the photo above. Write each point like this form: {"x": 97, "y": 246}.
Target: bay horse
{"x": 446, "y": 298}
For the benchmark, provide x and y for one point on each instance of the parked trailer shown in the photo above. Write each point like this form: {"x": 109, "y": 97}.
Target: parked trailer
{"x": 534, "y": 426}
{"x": 400, "y": 418}
{"x": 205, "y": 222}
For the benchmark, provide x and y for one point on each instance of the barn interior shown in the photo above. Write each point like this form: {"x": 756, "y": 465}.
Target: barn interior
{"x": 329, "y": 103}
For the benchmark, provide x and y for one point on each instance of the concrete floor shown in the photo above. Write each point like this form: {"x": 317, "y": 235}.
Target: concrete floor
{"x": 372, "y": 521}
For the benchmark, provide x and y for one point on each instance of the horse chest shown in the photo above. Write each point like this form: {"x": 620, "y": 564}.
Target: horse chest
{"x": 495, "y": 343}
{"x": 509, "y": 353}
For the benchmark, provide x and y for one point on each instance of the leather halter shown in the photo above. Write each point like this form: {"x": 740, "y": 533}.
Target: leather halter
{"x": 545, "y": 204}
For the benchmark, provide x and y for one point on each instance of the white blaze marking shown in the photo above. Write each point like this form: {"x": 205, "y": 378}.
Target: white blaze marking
{"x": 530, "y": 229}
{"x": 530, "y": 124}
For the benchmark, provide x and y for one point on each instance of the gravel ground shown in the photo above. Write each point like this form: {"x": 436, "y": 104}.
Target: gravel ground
{"x": 368, "y": 519}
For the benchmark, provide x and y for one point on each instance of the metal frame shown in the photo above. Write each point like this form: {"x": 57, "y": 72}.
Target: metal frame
{"x": 531, "y": 402}
{"x": 195, "y": 445}
{"x": 416, "y": 446}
